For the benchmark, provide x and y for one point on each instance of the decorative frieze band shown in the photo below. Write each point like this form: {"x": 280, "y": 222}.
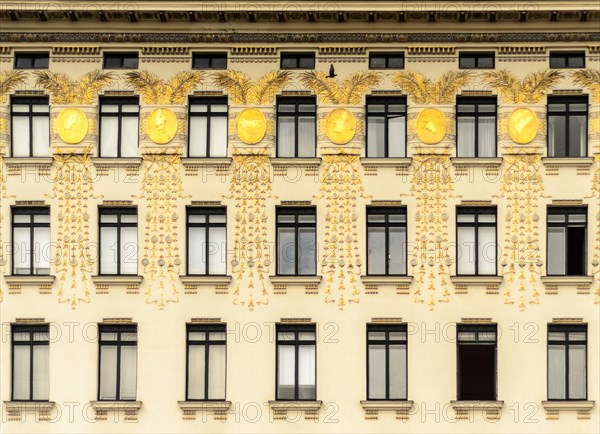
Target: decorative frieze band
{"x": 342, "y": 51}
{"x": 432, "y": 50}
{"x": 519, "y": 49}
{"x": 253, "y": 51}
{"x": 165, "y": 51}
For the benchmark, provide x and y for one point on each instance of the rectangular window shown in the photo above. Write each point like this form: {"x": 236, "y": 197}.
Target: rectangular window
{"x": 209, "y": 61}
{"x": 30, "y": 367}
{"x": 567, "y": 362}
{"x": 118, "y": 241}
{"x": 28, "y": 60}
{"x": 476, "y": 60}
{"x": 206, "y": 362}
{"x": 386, "y": 361}
{"x": 119, "y": 126}
{"x": 31, "y": 240}
{"x": 476, "y": 244}
{"x": 567, "y": 126}
{"x": 564, "y": 59}
{"x": 566, "y": 241}
{"x": 127, "y": 60}
{"x": 208, "y": 127}
{"x": 296, "y": 127}
{"x": 386, "y": 60}
{"x": 386, "y": 127}
{"x": 476, "y": 351}
{"x": 297, "y": 60}
{"x": 30, "y": 127}
{"x": 206, "y": 241}
{"x": 386, "y": 241}
{"x": 476, "y": 127}
{"x": 296, "y": 241}
{"x": 296, "y": 361}
{"x": 117, "y": 369}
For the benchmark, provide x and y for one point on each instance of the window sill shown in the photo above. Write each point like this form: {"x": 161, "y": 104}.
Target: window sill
{"x": 295, "y": 162}
{"x": 582, "y": 283}
{"x": 477, "y": 161}
{"x": 293, "y": 405}
{"x": 28, "y": 161}
{"x": 553, "y": 408}
{"x": 372, "y": 283}
{"x": 191, "y": 283}
{"x": 403, "y": 409}
{"x": 310, "y": 409}
{"x": 16, "y": 410}
{"x": 491, "y": 283}
{"x": 385, "y": 162}
{"x": 112, "y": 161}
{"x": 492, "y": 409}
{"x": 16, "y": 282}
{"x": 129, "y": 408}
{"x": 310, "y": 283}
{"x": 130, "y": 282}
{"x": 568, "y": 161}
{"x": 218, "y": 409}
{"x": 200, "y": 161}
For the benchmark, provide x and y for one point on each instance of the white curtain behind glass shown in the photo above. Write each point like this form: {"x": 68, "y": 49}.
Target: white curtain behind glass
{"x": 556, "y": 250}
{"x": 487, "y": 250}
{"x": 129, "y": 136}
{"x": 109, "y": 136}
{"x": 197, "y": 139}
{"x": 196, "y": 244}
{"x": 41, "y": 136}
{"x": 217, "y": 251}
{"x": 20, "y": 136}
{"x": 21, "y": 249}
{"x": 577, "y": 372}
{"x": 196, "y": 371}
{"x": 216, "y": 372}
{"x": 41, "y": 370}
{"x": 397, "y": 371}
{"x": 108, "y": 372}
{"x": 466, "y": 137}
{"x": 556, "y": 372}
{"x": 285, "y": 137}
{"x": 218, "y": 137}
{"x": 306, "y": 372}
{"x": 21, "y": 376}
{"x": 487, "y": 137}
{"x": 376, "y": 137}
{"x": 286, "y": 368}
{"x": 306, "y": 136}
{"x": 128, "y": 378}
{"x": 129, "y": 250}
{"x": 376, "y": 372}
{"x": 465, "y": 261}
{"x": 397, "y": 137}
{"x": 41, "y": 241}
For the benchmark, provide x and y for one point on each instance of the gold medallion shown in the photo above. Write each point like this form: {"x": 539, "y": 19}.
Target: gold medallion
{"x": 162, "y": 126}
{"x": 431, "y": 126}
{"x": 251, "y": 126}
{"x": 522, "y": 126}
{"x": 340, "y": 126}
{"x": 72, "y": 125}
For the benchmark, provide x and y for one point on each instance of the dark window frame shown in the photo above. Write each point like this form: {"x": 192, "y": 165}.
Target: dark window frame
{"x": 567, "y": 57}
{"x": 31, "y": 211}
{"x": 294, "y": 328}
{"x": 387, "y": 328}
{"x": 568, "y": 100}
{"x": 31, "y": 329}
{"x": 122, "y": 57}
{"x": 295, "y": 211}
{"x": 388, "y": 114}
{"x": 477, "y": 328}
{"x": 387, "y": 211}
{"x": 119, "y": 114}
{"x": 206, "y": 211}
{"x": 477, "y": 101}
{"x": 567, "y": 329}
{"x": 119, "y": 211}
{"x": 477, "y": 211}
{"x": 211, "y": 58}
{"x": 566, "y": 211}
{"x": 477, "y": 56}
{"x": 33, "y": 57}
{"x": 30, "y": 101}
{"x": 209, "y": 102}
{"x": 120, "y": 329}
{"x": 386, "y": 56}
{"x": 207, "y": 343}
{"x": 297, "y": 56}
{"x": 296, "y": 101}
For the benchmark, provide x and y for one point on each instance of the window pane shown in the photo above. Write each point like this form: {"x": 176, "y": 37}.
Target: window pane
{"x": 376, "y": 137}
{"x": 487, "y": 137}
{"x": 377, "y": 62}
{"x": 306, "y": 136}
{"x": 285, "y": 137}
{"x": 199, "y": 108}
{"x": 108, "y": 251}
{"x": 22, "y": 251}
{"x": 128, "y": 218}
{"x": 109, "y": 136}
{"x": 307, "y": 218}
{"x": 556, "y": 250}
{"x": 130, "y": 108}
{"x": 307, "y": 260}
{"x": 376, "y": 253}
{"x": 306, "y": 372}
{"x": 20, "y": 136}
{"x": 485, "y": 62}
{"x": 286, "y": 336}
{"x": 41, "y": 370}
{"x": 487, "y": 250}
{"x": 306, "y": 336}
{"x": 556, "y": 218}
{"x": 197, "y": 136}
{"x": 129, "y": 136}
{"x": 487, "y": 218}
{"x": 41, "y": 244}
{"x": 398, "y": 335}
{"x": 397, "y": 243}
{"x": 556, "y": 336}
{"x": 466, "y": 137}
{"x": 288, "y": 62}
{"x": 465, "y": 218}
{"x": 41, "y": 136}
{"x": 128, "y": 372}
{"x": 286, "y": 251}
{"x": 376, "y": 335}
{"x": 577, "y": 218}
{"x": 217, "y": 251}
{"x": 105, "y": 336}
{"x": 286, "y": 372}
{"x": 466, "y": 336}
{"x": 21, "y": 372}
{"x": 21, "y": 336}
{"x": 396, "y": 62}
{"x": 216, "y": 372}
{"x": 577, "y": 336}
{"x": 397, "y": 371}
{"x": 218, "y": 136}
{"x": 217, "y": 218}
{"x": 108, "y": 372}
{"x": 577, "y": 136}
{"x": 577, "y": 372}
{"x": 196, "y": 251}
{"x": 129, "y": 250}
{"x": 465, "y": 254}
{"x": 196, "y": 371}
{"x": 396, "y": 136}
{"x": 376, "y": 372}
{"x": 557, "y": 146}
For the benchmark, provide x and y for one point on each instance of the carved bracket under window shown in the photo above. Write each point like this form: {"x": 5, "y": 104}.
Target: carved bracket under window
{"x": 39, "y": 166}
{"x": 466, "y": 166}
{"x": 491, "y": 410}
{"x": 218, "y": 409}
{"x": 403, "y": 409}
{"x": 372, "y": 165}
{"x": 582, "y": 165}
{"x": 121, "y": 410}
{"x": 206, "y": 166}
{"x": 293, "y": 168}
{"x": 281, "y": 283}
{"x": 131, "y": 283}
{"x": 127, "y": 167}
{"x": 553, "y": 283}
{"x": 372, "y": 283}
{"x": 17, "y": 282}
{"x": 19, "y": 411}
{"x": 283, "y": 410}
{"x": 462, "y": 283}
{"x": 553, "y": 408}
{"x": 192, "y": 283}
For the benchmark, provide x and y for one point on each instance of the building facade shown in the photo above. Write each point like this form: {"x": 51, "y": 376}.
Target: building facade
{"x": 324, "y": 216}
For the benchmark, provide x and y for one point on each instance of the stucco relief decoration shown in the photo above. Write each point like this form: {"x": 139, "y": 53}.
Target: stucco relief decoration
{"x": 72, "y": 125}
{"x": 9, "y": 80}
{"x": 250, "y": 188}
{"x": 64, "y": 90}
{"x": 251, "y": 126}
{"x": 162, "y": 186}
{"x": 340, "y": 126}
{"x": 350, "y": 91}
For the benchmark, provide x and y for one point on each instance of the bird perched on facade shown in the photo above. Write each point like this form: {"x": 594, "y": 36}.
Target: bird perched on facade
{"x": 331, "y": 72}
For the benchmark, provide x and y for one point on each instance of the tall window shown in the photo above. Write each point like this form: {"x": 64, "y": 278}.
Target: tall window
{"x": 30, "y": 367}
{"x": 296, "y": 362}
{"x": 386, "y": 241}
{"x": 567, "y": 59}
{"x": 296, "y": 241}
{"x": 567, "y": 362}
{"x": 206, "y": 241}
{"x": 119, "y": 119}
{"x": 297, "y": 60}
{"x": 386, "y": 60}
{"x": 117, "y": 370}
{"x": 476, "y": 245}
{"x": 29, "y": 60}
{"x": 206, "y": 362}
{"x": 476, "y": 127}
{"x": 296, "y": 127}
{"x": 567, "y": 235}
{"x": 118, "y": 241}
{"x": 386, "y": 361}
{"x": 476, "y": 362}
{"x": 567, "y": 126}
{"x": 386, "y": 127}
{"x": 128, "y": 60}
{"x": 476, "y": 60}
{"x": 30, "y": 127}
{"x": 208, "y": 127}
{"x": 209, "y": 61}
{"x": 31, "y": 240}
